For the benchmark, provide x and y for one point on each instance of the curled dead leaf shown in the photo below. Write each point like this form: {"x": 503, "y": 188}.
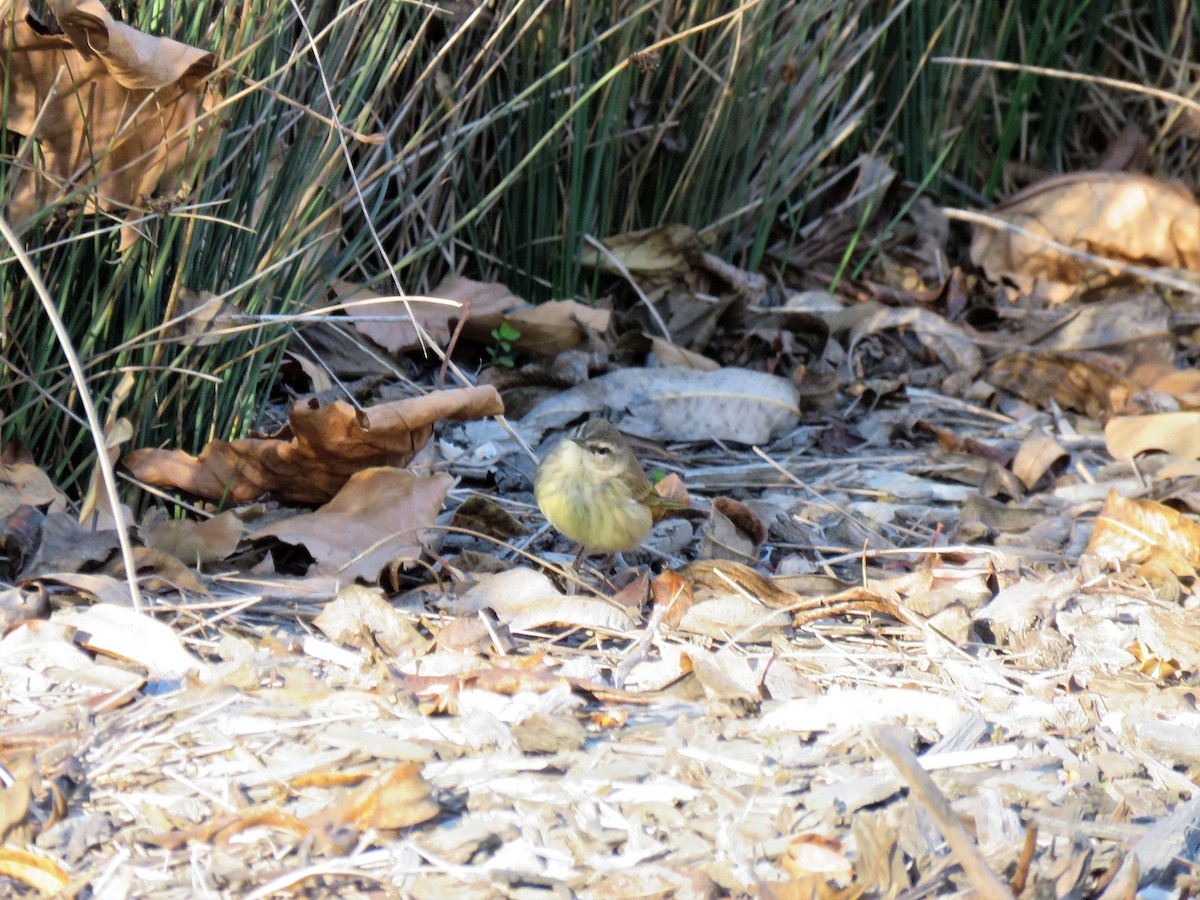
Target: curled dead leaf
{"x": 1039, "y": 453}
{"x": 673, "y": 593}
{"x": 673, "y": 488}
{"x": 743, "y": 517}
{"x": 547, "y": 329}
{"x": 311, "y": 460}
{"x": 814, "y": 855}
{"x": 721, "y": 538}
{"x": 36, "y": 870}
{"x": 485, "y": 516}
{"x": 159, "y": 571}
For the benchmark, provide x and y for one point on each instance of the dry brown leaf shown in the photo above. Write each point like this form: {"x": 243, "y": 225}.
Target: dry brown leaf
{"x": 546, "y": 733}
{"x": 196, "y": 543}
{"x": 97, "y": 506}
{"x": 221, "y": 828}
{"x": 198, "y": 317}
{"x": 530, "y": 675}
{"x": 310, "y": 461}
{"x": 26, "y": 484}
{"x": 1090, "y": 384}
{"x": 121, "y": 632}
{"x": 360, "y": 617}
{"x": 1151, "y": 664}
{"x": 379, "y": 516}
{"x": 728, "y": 600}
{"x": 34, "y": 869}
{"x": 1130, "y": 327}
{"x": 732, "y": 616}
{"x": 1018, "y": 607}
{"x": 743, "y": 517}
{"x": 673, "y": 592}
{"x": 329, "y": 778}
{"x": 482, "y": 295}
{"x": 721, "y": 575}
{"x": 20, "y": 537}
{"x": 467, "y": 299}
{"x": 104, "y": 588}
{"x": 1174, "y": 433}
{"x": 669, "y": 354}
{"x": 17, "y": 794}
{"x": 1039, "y": 453}
{"x": 656, "y": 253}
{"x": 1123, "y": 216}
{"x": 462, "y": 634}
{"x": 953, "y": 346}
{"x": 673, "y": 488}
{"x": 524, "y": 600}
{"x": 393, "y": 800}
{"x": 733, "y": 600}
{"x": 810, "y": 855}
{"x": 510, "y": 676}
{"x": 723, "y": 676}
{"x": 159, "y": 571}
{"x": 1171, "y": 631}
{"x": 721, "y": 538}
{"x": 1164, "y": 378}
{"x": 486, "y": 516}
{"x": 62, "y": 544}
{"x": 1138, "y": 531}
{"x": 631, "y": 588}
{"x": 137, "y": 97}
{"x": 49, "y": 646}
{"x": 615, "y": 717}
{"x": 320, "y": 378}
{"x": 547, "y": 329}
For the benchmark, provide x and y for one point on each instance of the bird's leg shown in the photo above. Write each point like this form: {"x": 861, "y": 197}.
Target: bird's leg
{"x": 571, "y": 583}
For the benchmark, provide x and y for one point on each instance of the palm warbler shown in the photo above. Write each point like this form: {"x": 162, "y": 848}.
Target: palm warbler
{"x": 592, "y": 489}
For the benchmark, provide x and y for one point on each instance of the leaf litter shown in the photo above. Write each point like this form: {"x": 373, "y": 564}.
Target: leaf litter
{"x": 927, "y": 626}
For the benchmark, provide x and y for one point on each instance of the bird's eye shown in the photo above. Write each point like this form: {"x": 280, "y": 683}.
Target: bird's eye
{"x": 601, "y": 450}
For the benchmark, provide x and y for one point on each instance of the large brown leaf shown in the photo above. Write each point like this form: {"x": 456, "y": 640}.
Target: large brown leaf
{"x": 105, "y": 99}
{"x": 378, "y": 517}
{"x": 1116, "y": 215}
{"x": 309, "y": 461}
